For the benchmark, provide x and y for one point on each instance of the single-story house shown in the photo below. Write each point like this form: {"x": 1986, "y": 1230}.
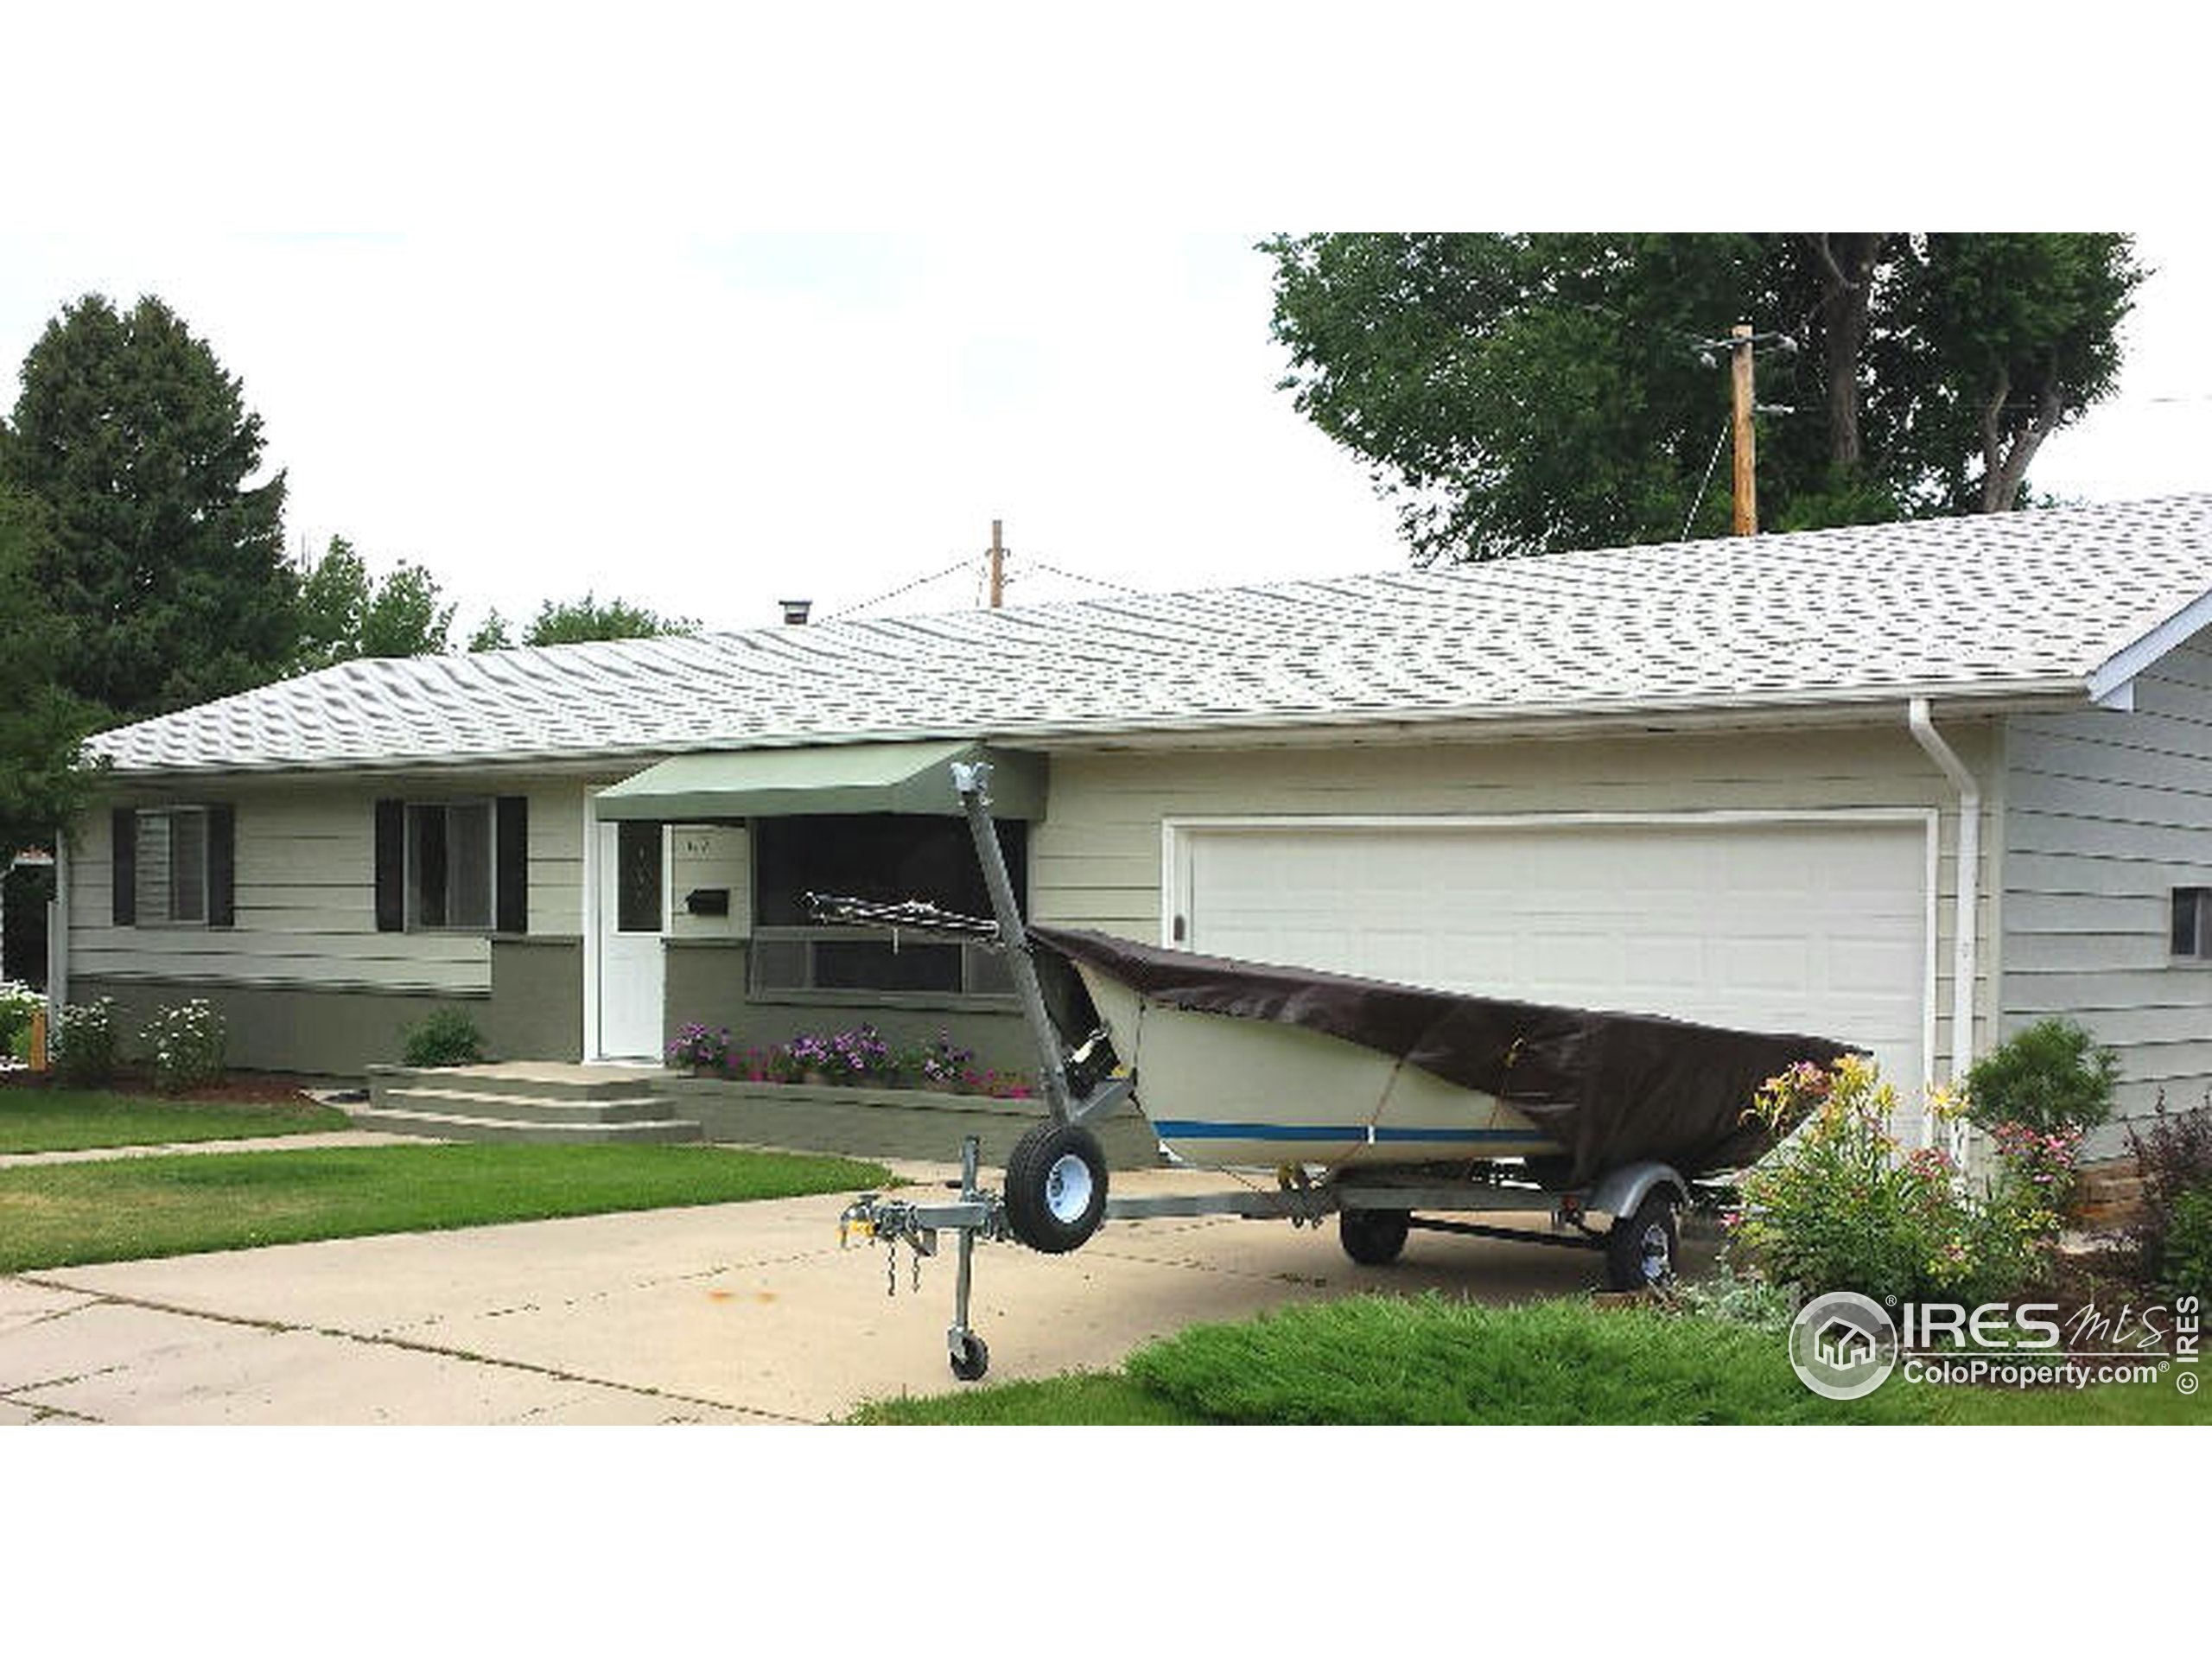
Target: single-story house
{"x": 1910, "y": 786}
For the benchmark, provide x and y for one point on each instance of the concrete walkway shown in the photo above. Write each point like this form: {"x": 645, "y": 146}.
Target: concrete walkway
{"x": 730, "y": 1313}
{"x": 251, "y": 1143}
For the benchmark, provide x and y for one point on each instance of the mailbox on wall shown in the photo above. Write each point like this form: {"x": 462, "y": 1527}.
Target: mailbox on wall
{"x": 707, "y": 901}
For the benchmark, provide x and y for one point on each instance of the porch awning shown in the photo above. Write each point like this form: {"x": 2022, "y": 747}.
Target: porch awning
{"x": 835, "y": 777}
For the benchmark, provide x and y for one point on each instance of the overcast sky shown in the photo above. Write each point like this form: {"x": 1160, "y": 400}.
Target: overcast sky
{"x": 708, "y": 424}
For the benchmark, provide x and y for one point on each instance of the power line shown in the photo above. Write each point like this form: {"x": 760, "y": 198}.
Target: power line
{"x": 1077, "y": 576}
{"x": 919, "y": 581}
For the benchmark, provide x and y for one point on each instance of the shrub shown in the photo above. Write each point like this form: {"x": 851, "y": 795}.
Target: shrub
{"x": 184, "y": 1045}
{"x": 1841, "y": 1205}
{"x": 446, "y": 1037}
{"x": 2185, "y": 1267}
{"x": 84, "y": 1043}
{"x": 2051, "y": 1076}
{"x": 2174, "y": 1157}
{"x": 18, "y": 1005}
{"x": 700, "y": 1048}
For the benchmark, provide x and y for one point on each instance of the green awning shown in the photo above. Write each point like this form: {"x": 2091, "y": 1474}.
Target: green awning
{"x": 836, "y": 777}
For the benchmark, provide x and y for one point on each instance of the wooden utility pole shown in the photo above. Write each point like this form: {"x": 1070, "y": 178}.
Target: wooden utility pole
{"x": 998, "y": 566}
{"x": 1747, "y": 499}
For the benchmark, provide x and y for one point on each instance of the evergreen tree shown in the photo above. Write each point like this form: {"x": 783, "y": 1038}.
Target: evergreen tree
{"x": 165, "y": 563}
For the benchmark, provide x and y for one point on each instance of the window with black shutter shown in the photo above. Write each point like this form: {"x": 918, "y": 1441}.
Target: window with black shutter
{"x": 175, "y": 866}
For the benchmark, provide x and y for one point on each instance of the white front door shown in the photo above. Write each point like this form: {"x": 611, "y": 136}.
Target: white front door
{"x": 632, "y": 915}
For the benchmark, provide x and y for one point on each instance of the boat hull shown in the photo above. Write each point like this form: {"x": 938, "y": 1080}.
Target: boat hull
{"x": 1259, "y": 1094}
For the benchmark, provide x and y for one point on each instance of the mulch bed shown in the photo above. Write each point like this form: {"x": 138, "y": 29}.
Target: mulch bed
{"x": 239, "y": 1088}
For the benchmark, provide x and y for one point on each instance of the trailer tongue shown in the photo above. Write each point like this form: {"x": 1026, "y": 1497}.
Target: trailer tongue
{"x": 1391, "y": 1107}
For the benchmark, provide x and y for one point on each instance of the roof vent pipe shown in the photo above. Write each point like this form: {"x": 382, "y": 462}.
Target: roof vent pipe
{"x": 795, "y": 611}
{"x": 1962, "y": 926}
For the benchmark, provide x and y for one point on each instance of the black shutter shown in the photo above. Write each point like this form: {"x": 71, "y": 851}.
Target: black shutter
{"x": 511, "y": 865}
{"x": 222, "y": 866}
{"x": 122, "y": 832}
{"x": 392, "y": 867}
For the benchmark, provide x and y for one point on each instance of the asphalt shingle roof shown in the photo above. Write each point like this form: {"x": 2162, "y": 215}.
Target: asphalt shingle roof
{"x": 2027, "y": 602}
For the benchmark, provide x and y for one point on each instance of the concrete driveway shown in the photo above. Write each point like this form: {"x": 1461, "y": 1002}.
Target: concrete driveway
{"x": 732, "y": 1314}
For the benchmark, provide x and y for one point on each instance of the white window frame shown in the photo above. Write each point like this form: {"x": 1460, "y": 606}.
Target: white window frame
{"x": 491, "y": 810}
{"x": 168, "y": 918}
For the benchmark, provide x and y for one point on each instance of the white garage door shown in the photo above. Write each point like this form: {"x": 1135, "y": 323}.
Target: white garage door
{"x": 1815, "y": 926}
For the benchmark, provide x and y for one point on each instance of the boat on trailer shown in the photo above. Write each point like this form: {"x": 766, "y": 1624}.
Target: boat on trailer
{"x": 1396, "y": 1108}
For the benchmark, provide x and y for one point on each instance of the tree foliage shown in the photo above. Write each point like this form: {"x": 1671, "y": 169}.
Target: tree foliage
{"x": 345, "y": 613}
{"x": 1517, "y": 393}
{"x": 491, "y": 633}
{"x": 167, "y": 564}
{"x": 43, "y": 778}
{"x": 574, "y": 621}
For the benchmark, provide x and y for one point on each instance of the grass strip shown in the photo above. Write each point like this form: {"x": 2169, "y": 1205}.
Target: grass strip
{"x": 76, "y": 1120}
{"x": 1431, "y": 1360}
{"x": 128, "y": 1209}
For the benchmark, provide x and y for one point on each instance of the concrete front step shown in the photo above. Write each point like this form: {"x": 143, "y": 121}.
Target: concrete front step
{"x": 524, "y": 1109}
{"x": 529, "y": 1101}
{"x": 533, "y": 1079}
{"x": 446, "y": 1126}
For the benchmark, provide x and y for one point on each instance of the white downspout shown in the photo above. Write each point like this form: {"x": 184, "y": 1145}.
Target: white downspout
{"x": 1962, "y": 927}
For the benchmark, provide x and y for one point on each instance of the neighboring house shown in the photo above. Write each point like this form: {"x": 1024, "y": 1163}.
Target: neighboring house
{"x": 1728, "y": 780}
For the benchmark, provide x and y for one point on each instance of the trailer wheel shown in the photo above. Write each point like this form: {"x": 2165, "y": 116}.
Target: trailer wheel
{"x": 1641, "y": 1249}
{"x": 1056, "y": 1188}
{"x": 1374, "y": 1238}
{"x": 971, "y": 1359}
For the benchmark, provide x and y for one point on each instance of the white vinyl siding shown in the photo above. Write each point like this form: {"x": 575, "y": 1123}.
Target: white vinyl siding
{"x": 1097, "y": 859}
{"x": 2110, "y": 813}
{"x": 305, "y": 868}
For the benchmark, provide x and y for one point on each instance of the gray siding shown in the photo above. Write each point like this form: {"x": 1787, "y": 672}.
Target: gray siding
{"x": 2108, "y": 812}
{"x": 305, "y": 883}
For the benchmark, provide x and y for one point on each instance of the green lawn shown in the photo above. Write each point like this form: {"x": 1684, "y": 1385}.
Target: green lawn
{"x": 119, "y": 1210}
{"x": 1367, "y": 1360}
{"x": 71, "y": 1120}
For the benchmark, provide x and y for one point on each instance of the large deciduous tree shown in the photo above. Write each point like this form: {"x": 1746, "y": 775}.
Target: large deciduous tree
{"x": 1532, "y": 392}
{"x": 574, "y": 621}
{"x": 162, "y": 554}
{"x": 346, "y": 613}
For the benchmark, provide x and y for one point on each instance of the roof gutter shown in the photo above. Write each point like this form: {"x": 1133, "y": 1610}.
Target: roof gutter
{"x": 1969, "y": 869}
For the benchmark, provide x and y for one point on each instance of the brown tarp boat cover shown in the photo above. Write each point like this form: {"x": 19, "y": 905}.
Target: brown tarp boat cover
{"x": 1611, "y": 1088}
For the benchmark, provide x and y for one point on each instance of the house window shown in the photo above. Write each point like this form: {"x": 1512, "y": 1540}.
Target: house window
{"x": 2193, "y": 922}
{"x": 449, "y": 878}
{"x": 878, "y": 856}
{"x": 171, "y": 877}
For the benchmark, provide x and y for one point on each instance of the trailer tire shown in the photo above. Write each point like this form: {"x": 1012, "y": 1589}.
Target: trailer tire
{"x": 1374, "y": 1238}
{"x": 971, "y": 1359}
{"x": 1056, "y": 1188}
{"x": 1641, "y": 1249}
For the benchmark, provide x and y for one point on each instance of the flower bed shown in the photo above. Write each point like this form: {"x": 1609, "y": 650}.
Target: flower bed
{"x": 858, "y": 1058}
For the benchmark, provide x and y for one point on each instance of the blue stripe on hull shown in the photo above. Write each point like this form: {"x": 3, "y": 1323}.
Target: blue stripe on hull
{"x": 1194, "y": 1129}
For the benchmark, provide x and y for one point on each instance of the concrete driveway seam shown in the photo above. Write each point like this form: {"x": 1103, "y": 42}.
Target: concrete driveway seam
{"x": 402, "y": 1344}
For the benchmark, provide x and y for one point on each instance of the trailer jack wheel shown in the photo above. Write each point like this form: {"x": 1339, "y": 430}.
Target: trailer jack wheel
{"x": 1641, "y": 1249}
{"x": 1056, "y": 1188}
{"x": 971, "y": 1356}
{"x": 1374, "y": 1238}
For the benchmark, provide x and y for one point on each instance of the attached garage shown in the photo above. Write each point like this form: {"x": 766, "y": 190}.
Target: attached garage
{"x": 1819, "y": 923}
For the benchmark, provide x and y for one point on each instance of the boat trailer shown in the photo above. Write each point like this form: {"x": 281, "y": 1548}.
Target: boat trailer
{"x": 1055, "y": 1193}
